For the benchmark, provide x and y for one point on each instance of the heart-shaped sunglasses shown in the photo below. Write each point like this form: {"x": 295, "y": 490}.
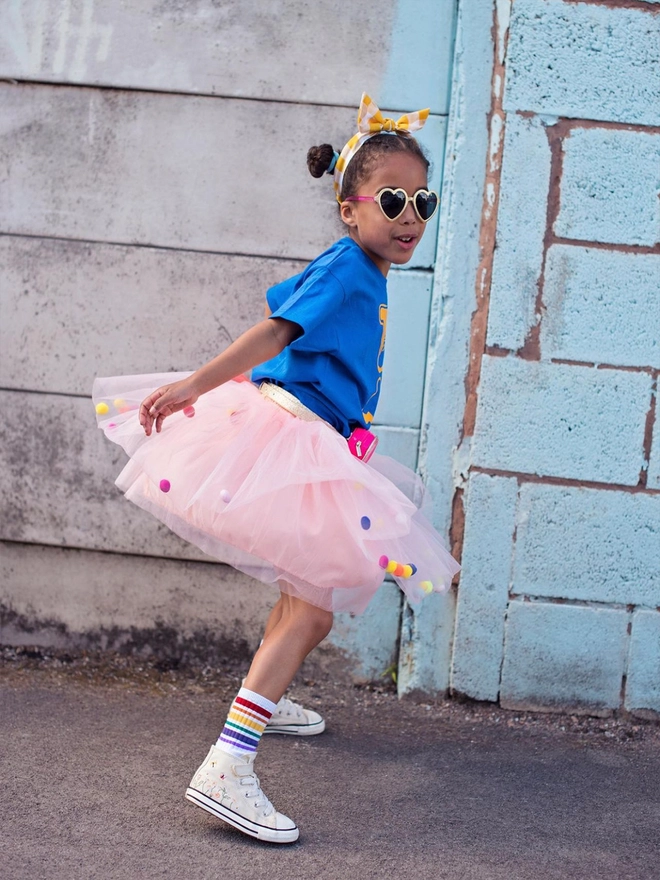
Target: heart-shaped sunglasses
{"x": 393, "y": 202}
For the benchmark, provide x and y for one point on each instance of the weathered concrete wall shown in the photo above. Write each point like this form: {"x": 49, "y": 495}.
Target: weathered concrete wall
{"x": 281, "y": 51}
{"x": 427, "y": 635}
{"x": 153, "y": 184}
{"x": 560, "y": 590}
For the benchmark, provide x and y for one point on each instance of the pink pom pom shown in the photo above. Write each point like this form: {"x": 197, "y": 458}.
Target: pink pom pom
{"x": 164, "y": 485}
{"x": 383, "y": 562}
{"x": 189, "y": 411}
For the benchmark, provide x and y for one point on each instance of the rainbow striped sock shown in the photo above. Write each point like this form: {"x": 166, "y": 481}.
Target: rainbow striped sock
{"x": 248, "y": 716}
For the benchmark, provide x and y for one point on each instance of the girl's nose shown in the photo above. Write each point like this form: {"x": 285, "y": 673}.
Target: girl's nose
{"x": 409, "y": 215}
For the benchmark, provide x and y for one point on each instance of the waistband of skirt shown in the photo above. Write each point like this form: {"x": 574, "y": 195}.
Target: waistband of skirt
{"x": 289, "y": 402}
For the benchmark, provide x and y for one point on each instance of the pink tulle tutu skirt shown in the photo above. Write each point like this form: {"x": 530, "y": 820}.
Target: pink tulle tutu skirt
{"x": 277, "y": 497}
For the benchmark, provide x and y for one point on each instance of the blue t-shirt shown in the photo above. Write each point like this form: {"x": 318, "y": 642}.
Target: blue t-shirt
{"x": 335, "y": 366}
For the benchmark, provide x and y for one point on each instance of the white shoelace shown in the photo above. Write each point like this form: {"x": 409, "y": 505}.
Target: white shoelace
{"x": 288, "y": 708}
{"x": 251, "y": 781}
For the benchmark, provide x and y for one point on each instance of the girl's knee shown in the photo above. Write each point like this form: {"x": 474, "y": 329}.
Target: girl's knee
{"x": 316, "y": 621}
{"x": 323, "y": 623}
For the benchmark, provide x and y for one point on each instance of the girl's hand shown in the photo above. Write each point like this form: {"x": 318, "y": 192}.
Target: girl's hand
{"x": 258, "y": 344}
{"x": 165, "y": 401}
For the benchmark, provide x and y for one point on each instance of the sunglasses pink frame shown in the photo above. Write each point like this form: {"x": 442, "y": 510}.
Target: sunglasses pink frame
{"x": 377, "y": 197}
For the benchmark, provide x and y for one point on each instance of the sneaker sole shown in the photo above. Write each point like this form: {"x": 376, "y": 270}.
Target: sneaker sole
{"x": 297, "y": 729}
{"x": 261, "y": 832}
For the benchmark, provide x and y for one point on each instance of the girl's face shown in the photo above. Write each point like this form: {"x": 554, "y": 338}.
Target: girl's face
{"x": 387, "y": 241}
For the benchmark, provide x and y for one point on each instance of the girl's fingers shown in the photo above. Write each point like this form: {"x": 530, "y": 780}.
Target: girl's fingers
{"x": 149, "y": 410}
{"x": 162, "y": 403}
{"x": 148, "y": 402}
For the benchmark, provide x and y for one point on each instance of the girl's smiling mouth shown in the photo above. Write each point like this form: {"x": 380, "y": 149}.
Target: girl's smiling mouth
{"x": 406, "y": 241}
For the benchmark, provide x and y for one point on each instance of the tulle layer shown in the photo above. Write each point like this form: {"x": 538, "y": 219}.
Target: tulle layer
{"x": 278, "y": 498}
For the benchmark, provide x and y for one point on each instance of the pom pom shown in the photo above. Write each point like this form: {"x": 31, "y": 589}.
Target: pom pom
{"x": 391, "y": 565}
{"x": 365, "y": 522}
{"x": 398, "y": 571}
{"x": 407, "y": 571}
{"x": 383, "y": 562}
{"x": 164, "y": 485}
{"x": 119, "y": 403}
{"x": 225, "y": 496}
{"x": 102, "y": 409}
{"x": 189, "y": 411}
{"x": 414, "y": 568}
{"x": 427, "y": 586}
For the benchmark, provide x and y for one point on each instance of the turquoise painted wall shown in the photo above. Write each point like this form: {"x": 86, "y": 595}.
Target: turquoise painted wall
{"x": 559, "y": 598}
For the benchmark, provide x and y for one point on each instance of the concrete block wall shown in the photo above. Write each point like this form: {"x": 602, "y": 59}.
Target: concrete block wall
{"x": 559, "y": 598}
{"x": 427, "y": 634}
{"x": 153, "y": 185}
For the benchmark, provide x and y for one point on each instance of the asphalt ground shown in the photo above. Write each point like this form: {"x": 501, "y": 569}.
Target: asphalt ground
{"x": 96, "y": 754}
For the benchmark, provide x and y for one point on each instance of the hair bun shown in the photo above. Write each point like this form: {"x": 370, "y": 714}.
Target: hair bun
{"x": 319, "y": 159}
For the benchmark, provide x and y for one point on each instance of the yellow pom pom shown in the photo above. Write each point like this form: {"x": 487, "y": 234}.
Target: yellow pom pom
{"x": 427, "y": 586}
{"x": 119, "y": 403}
{"x": 102, "y": 409}
{"x": 407, "y": 571}
{"x": 391, "y": 565}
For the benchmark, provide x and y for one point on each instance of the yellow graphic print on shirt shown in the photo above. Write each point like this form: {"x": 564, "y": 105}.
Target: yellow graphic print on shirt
{"x": 368, "y": 415}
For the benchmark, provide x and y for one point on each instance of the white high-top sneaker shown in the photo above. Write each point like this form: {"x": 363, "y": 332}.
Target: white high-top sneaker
{"x": 291, "y": 718}
{"x": 228, "y": 788}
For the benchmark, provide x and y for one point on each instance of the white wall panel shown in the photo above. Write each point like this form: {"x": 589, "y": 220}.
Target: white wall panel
{"x": 56, "y": 482}
{"x": 173, "y": 171}
{"x": 72, "y": 311}
{"x": 291, "y": 50}
{"x": 108, "y": 599}
{"x": 409, "y": 299}
{"x": 168, "y": 170}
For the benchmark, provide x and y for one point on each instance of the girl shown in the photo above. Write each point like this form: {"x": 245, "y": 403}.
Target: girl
{"x": 260, "y": 475}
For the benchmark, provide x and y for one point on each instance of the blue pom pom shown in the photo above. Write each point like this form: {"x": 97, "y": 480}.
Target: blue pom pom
{"x": 365, "y": 522}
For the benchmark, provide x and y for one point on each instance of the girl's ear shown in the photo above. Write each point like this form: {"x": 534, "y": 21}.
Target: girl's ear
{"x": 348, "y": 213}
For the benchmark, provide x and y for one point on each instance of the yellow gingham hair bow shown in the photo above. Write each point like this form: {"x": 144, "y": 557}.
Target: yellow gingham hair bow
{"x": 370, "y": 123}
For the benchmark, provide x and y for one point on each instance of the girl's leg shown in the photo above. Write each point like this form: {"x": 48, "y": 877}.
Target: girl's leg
{"x": 287, "y": 641}
{"x": 225, "y": 784}
{"x": 289, "y": 718}
{"x": 300, "y": 628}
{"x": 274, "y": 616}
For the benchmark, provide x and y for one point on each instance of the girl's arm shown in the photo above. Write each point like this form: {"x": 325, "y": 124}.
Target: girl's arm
{"x": 260, "y": 343}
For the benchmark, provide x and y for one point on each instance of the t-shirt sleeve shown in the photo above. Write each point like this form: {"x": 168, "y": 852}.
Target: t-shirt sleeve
{"x": 314, "y": 300}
